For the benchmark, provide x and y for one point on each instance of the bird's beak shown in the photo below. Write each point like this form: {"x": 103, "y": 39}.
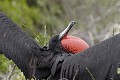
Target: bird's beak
{"x": 65, "y": 32}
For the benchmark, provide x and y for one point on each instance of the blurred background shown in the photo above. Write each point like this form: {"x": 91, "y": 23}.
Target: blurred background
{"x": 41, "y": 19}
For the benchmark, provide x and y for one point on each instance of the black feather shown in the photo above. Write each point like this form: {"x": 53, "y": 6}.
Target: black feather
{"x": 16, "y": 45}
{"x": 99, "y": 62}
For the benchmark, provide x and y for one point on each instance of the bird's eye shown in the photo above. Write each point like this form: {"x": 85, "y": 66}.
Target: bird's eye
{"x": 55, "y": 40}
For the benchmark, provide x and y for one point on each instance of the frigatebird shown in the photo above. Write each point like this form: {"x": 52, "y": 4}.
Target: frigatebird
{"x": 33, "y": 60}
{"x": 66, "y": 42}
{"x": 99, "y": 62}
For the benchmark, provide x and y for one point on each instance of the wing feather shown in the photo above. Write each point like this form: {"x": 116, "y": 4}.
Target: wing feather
{"x": 16, "y": 45}
{"x": 96, "y": 60}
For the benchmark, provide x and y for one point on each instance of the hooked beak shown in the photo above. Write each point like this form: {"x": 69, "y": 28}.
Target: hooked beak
{"x": 65, "y": 32}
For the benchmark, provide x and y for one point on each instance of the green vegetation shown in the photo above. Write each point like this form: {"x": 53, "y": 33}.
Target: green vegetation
{"x": 95, "y": 18}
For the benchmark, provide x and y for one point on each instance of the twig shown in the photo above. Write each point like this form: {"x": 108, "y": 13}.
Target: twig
{"x": 45, "y": 35}
{"x": 108, "y": 11}
{"x": 90, "y": 74}
{"x": 91, "y": 37}
{"x": 49, "y": 77}
{"x": 30, "y": 29}
{"x": 63, "y": 79}
{"x": 75, "y": 74}
{"x": 113, "y": 31}
{"x": 11, "y": 73}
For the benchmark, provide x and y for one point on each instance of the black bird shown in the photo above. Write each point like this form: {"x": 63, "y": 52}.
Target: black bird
{"x": 32, "y": 59}
{"x": 67, "y": 43}
{"x": 99, "y": 62}
{"x": 24, "y": 51}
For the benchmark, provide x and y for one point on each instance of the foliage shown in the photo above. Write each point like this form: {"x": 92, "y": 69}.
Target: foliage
{"x": 41, "y": 39}
{"x": 3, "y": 64}
{"x": 27, "y": 17}
{"x": 22, "y": 15}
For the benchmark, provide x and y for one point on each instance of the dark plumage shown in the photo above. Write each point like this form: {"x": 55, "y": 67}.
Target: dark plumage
{"x": 32, "y": 59}
{"x": 99, "y": 62}
{"x": 41, "y": 62}
{"x": 16, "y": 45}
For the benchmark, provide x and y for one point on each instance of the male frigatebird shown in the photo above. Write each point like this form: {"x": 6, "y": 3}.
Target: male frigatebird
{"x": 68, "y": 43}
{"x": 32, "y": 59}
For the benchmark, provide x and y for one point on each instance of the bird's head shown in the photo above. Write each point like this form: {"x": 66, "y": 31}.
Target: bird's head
{"x": 67, "y": 43}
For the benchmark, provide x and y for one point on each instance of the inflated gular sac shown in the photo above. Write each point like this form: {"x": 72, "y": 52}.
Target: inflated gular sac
{"x": 74, "y": 44}
{"x": 68, "y": 43}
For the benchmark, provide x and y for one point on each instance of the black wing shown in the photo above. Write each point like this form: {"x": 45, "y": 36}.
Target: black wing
{"x": 16, "y": 45}
{"x": 99, "y": 62}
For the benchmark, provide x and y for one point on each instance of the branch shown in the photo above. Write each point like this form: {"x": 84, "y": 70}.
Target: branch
{"x": 11, "y": 73}
{"x": 108, "y": 11}
{"x": 75, "y": 74}
{"x": 90, "y": 73}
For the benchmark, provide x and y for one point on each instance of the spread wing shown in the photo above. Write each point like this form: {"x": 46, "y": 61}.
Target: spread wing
{"x": 17, "y": 46}
{"x": 100, "y": 61}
